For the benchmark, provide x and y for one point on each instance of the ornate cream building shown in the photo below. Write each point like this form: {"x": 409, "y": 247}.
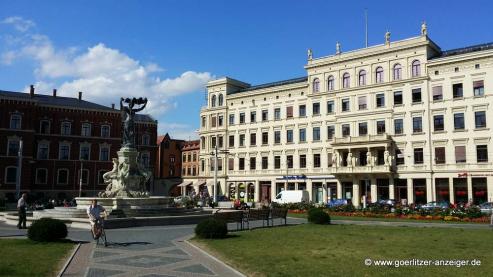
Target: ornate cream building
{"x": 403, "y": 120}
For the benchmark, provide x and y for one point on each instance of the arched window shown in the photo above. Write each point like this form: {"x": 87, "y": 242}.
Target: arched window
{"x": 416, "y": 68}
{"x": 220, "y": 100}
{"x": 316, "y": 85}
{"x": 213, "y": 101}
{"x": 346, "y": 80}
{"x": 379, "y": 75}
{"x": 362, "y": 77}
{"x": 397, "y": 74}
{"x": 330, "y": 83}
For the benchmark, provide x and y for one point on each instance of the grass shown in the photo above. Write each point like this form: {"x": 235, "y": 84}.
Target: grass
{"x": 340, "y": 250}
{"x": 361, "y": 218}
{"x": 23, "y": 257}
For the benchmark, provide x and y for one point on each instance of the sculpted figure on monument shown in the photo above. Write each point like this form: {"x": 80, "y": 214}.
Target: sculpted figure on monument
{"x": 127, "y": 107}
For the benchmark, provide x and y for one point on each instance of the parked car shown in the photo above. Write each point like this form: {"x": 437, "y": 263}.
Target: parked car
{"x": 387, "y": 202}
{"x": 181, "y": 199}
{"x": 436, "y": 205}
{"x": 292, "y": 196}
{"x": 336, "y": 203}
{"x": 486, "y": 208}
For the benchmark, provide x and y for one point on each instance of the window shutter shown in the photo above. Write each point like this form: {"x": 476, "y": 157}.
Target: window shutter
{"x": 460, "y": 153}
{"x": 437, "y": 90}
{"x": 478, "y": 84}
{"x": 289, "y": 111}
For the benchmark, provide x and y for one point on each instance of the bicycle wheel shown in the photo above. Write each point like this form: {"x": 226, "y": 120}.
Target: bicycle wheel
{"x": 103, "y": 238}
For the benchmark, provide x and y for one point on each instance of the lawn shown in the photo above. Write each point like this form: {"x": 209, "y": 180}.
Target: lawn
{"x": 22, "y": 257}
{"x": 329, "y": 250}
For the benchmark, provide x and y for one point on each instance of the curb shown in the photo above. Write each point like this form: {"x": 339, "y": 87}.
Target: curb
{"x": 65, "y": 266}
{"x": 214, "y": 258}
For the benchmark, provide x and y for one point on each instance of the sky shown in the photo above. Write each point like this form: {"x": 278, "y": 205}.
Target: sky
{"x": 168, "y": 50}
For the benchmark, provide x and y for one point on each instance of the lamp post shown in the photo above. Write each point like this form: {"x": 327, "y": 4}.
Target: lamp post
{"x": 19, "y": 170}
{"x": 214, "y": 186}
{"x": 80, "y": 179}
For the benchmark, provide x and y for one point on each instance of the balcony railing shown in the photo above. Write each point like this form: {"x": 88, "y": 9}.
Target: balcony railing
{"x": 361, "y": 169}
{"x": 359, "y": 139}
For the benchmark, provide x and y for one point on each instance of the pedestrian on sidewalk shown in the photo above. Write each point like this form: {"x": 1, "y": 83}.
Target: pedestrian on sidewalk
{"x": 21, "y": 211}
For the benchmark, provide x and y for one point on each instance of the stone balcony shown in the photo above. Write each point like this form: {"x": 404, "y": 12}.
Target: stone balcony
{"x": 361, "y": 169}
{"x": 363, "y": 141}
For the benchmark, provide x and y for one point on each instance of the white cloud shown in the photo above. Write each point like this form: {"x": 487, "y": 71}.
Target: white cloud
{"x": 102, "y": 73}
{"x": 178, "y": 130}
{"x": 19, "y": 23}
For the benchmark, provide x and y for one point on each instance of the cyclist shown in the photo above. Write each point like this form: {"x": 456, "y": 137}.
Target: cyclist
{"x": 94, "y": 213}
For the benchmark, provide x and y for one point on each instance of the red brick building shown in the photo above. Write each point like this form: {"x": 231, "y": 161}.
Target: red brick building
{"x": 190, "y": 159}
{"x": 61, "y": 135}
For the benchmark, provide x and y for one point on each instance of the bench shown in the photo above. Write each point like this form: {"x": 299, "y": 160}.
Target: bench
{"x": 231, "y": 217}
{"x": 256, "y": 214}
{"x": 279, "y": 213}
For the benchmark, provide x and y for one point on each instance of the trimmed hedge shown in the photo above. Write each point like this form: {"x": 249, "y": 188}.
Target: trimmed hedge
{"x": 318, "y": 216}
{"x": 211, "y": 229}
{"x": 47, "y": 229}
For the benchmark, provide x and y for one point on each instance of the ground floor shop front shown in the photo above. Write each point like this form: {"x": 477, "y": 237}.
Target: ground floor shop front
{"x": 404, "y": 188}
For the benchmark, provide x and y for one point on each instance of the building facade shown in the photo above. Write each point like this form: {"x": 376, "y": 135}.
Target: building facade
{"x": 403, "y": 120}
{"x": 61, "y": 137}
{"x": 190, "y": 153}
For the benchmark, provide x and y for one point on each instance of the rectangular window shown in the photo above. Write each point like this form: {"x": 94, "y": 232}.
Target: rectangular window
{"x": 231, "y": 119}
{"x": 277, "y": 137}
{"x": 66, "y": 128}
{"x": 253, "y": 139}
{"x": 231, "y": 141}
{"x": 362, "y": 103}
{"x": 399, "y": 157}
{"x": 42, "y": 151}
{"x": 329, "y": 159}
{"x": 265, "y": 115}
{"x": 220, "y": 141}
{"x": 277, "y": 114}
{"x": 213, "y": 122}
{"x": 242, "y": 118}
{"x": 289, "y": 161}
{"x": 482, "y": 153}
{"x": 231, "y": 164}
{"x": 457, "y": 90}
{"x": 381, "y": 127}
{"x": 44, "y": 126}
{"x": 316, "y": 133}
{"x": 478, "y": 87}
{"x": 253, "y": 117}
{"x": 15, "y": 121}
{"x": 380, "y": 100}
{"x": 346, "y": 131}
{"x": 437, "y": 93}
{"x": 265, "y": 138}
{"x": 213, "y": 142}
{"x": 289, "y": 112}
{"x": 345, "y": 104}
{"x": 460, "y": 154}
{"x": 302, "y": 110}
{"x": 203, "y": 120}
{"x": 330, "y": 132}
{"x": 105, "y": 131}
{"x": 363, "y": 128}
{"x": 253, "y": 163}
{"x": 417, "y": 124}
{"x": 416, "y": 94}
{"x": 220, "y": 120}
{"x": 84, "y": 152}
{"x": 316, "y": 160}
{"x": 265, "y": 162}
{"x": 480, "y": 119}
{"x": 459, "y": 121}
{"x": 62, "y": 177}
{"x": 439, "y": 155}
{"x": 418, "y": 156}
{"x": 13, "y": 148}
{"x": 316, "y": 108}
{"x": 302, "y": 135}
{"x": 397, "y": 98}
{"x": 86, "y": 130}
{"x": 289, "y": 136}
{"x": 302, "y": 161}
{"x": 242, "y": 140}
{"x": 241, "y": 164}
{"x": 277, "y": 162}
{"x": 64, "y": 152}
{"x": 438, "y": 124}
{"x": 398, "y": 126}
{"x": 330, "y": 106}
{"x": 104, "y": 154}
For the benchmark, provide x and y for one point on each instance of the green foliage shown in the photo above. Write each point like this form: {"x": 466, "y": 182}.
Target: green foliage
{"x": 318, "y": 216}
{"x": 473, "y": 212}
{"x": 47, "y": 229}
{"x": 211, "y": 229}
{"x": 305, "y": 206}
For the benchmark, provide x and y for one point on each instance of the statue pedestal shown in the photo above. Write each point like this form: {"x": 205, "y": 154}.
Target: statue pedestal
{"x": 130, "y": 206}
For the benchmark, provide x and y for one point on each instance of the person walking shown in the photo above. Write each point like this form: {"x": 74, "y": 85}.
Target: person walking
{"x": 21, "y": 211}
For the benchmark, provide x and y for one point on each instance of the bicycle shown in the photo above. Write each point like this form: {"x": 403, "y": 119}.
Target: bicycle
{"x": 101, "y": 233}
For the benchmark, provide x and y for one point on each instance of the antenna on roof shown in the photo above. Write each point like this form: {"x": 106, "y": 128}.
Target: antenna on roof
{"x": 366, "y": 28}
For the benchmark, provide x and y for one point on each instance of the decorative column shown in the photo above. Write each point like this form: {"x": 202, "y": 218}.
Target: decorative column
{"x": 356, "y": 196}
{"x": 489, "y": 188}
{"x": 339, "y": 189}
{"x": 410, "y": 191}
{"x": 247, "y": 188}
{"x": 273, "y": 189}
{"x": 469, "y": 187}
{"x": 451, "y": 190}
{"x": 309, "y": 188}
{"x": 430, "y": 190}
{"x": 237, "y": 190}
{"x": 391, "y": 188}
{"x": 256, "y": 193}
{"x": 324, "y": 192}
{"x": 373, "y": 189}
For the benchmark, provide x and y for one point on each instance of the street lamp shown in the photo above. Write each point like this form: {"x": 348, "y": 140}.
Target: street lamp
{"x": 19, "y": 170}
{"x": 214, "y": 186}
{"x": 80, "y": 179}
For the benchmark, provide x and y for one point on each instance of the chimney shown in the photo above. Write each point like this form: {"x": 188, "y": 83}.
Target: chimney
{"x": 80, "y": 95}
{"x": 31, "y": 91}
{"x": 113, "y": 106}
{"x": 54, "y": 92}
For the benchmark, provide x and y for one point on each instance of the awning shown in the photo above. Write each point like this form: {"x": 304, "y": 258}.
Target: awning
{"x": 198, "y": 183}
{"x": 210, "y": 182}
{"x": 184, "y": 184}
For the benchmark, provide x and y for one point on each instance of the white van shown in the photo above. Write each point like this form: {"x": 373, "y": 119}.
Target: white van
{"x": 292, "y": 196}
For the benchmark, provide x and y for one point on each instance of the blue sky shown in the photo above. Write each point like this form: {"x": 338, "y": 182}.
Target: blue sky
{"x": 168, "y": 50}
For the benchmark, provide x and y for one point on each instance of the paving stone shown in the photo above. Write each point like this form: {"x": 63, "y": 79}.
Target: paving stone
{"x": 177, "y": 252}
{"x": 196, "y": 268}
{"x": 100, "y": 254}
{"x": 145, "y": 261}
{"x": 98, "y": 272}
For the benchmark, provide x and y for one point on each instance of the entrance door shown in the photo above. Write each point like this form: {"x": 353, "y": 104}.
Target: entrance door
{"x": 265, "y": 193}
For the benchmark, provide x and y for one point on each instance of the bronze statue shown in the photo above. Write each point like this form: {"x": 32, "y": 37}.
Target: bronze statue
{"x": 128, "y": 124}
